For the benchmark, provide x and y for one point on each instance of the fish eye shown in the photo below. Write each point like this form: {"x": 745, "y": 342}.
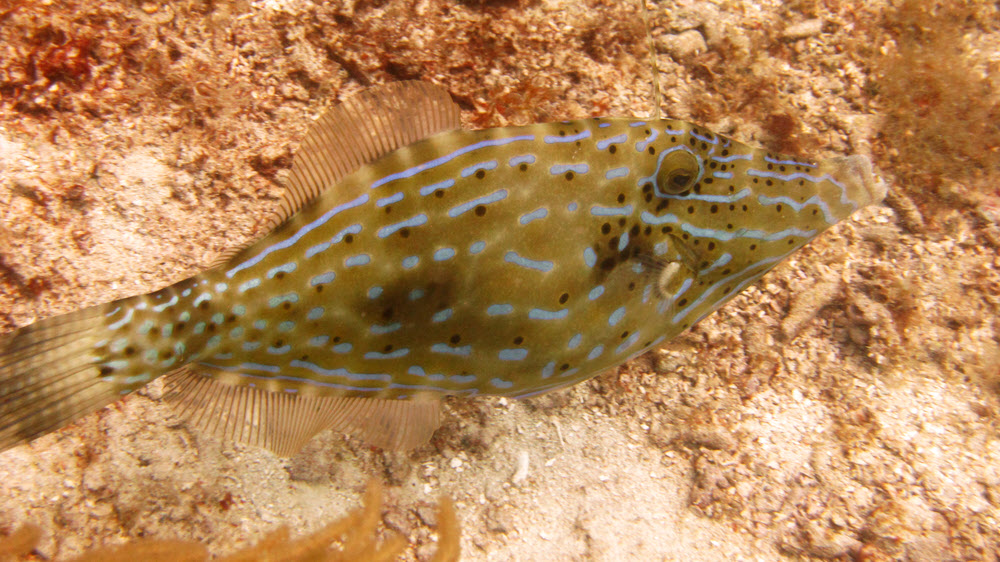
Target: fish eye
{"x": 678, "y": 172}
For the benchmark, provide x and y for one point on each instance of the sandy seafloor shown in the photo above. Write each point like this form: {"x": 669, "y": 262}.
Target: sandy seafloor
{"x": 845, "y": 407}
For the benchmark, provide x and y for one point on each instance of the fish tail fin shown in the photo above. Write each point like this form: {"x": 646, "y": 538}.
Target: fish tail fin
{"x": 51, "y": 373}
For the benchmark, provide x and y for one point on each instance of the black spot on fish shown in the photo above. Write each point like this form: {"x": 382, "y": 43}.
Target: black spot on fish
{"x": 105, "y": 370}
{"x": 387, "y": 349}
{"x": 621, "y": 197}
{"x": 651, "y": 150}
{"x": 180, "y": 326}
{"x": 350, "y": 237}
{"x": 624, "y": 334}
{"x": 203, "y": 305}
{"x": 612, "y": 149}
{"x": 440, "y": 192}
{"x": 404, "y": 232}
{"x": 480, "y": 210}
{"x": 778, "y": 207}
{"x": 605, "y": 228}
{"x": 564, "y": 367}
{"x": 455, "y": 339}
{"x": 518, "y": 340}
{"x": 711, "y": 245}
{"x": 613, "y": 243}
{"x": 129, "y": 351}
{"x": 569, "y": 175}
{"x": 563, "y": 298}
{"x": 319, "y": 288}
{"x": 522, "y": 167}
{"x": 279, "y": 275}
{"x": 481, "y": 174}
{"x": 279, "y": 343}
{"x": 608, "y": 264}
{"x": 286, "y": 305}
{"x": 231, "y": 318}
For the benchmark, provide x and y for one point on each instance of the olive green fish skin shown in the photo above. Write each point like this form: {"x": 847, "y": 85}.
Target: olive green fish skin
{"x": 505, "y": 261}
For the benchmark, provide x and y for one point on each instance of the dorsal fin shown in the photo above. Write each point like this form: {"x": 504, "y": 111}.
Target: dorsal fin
{"x": 360, "y": 130}
{"x": 284, "y": 422}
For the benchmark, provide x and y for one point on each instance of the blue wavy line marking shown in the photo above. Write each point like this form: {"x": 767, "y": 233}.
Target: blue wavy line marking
{"x": 517, "y": 354}
{"x": 428, "y": 189}
{"x": 394, "y": 354}
{"x": 497, "y": 195}
{"x": 559, "y": 169}
{"x": 488, "y": 165}
{"x": 449, "y": 157}
{"x": 538, "y": 265}
{"x": 814, "y": 200}
{"x": 292, "y": 240}
{"x": 413, "y": 221}
{"x": 542, "y": 314}
{"x": 616, "y": 173}
{"x": 539, "y": 213}
{"x": 464, "y": 351}
{"x": 396, "y": 197}
{"x": 602, "y": 144}
{"x": 601, "y": 211}
{"x": 555, "y": 139}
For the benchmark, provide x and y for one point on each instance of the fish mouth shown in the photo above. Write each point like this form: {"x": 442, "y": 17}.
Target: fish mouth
{"x": 857, "y": 173}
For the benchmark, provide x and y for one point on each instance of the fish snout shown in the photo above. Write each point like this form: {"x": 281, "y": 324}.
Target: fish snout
{"x": 856, "y": 172}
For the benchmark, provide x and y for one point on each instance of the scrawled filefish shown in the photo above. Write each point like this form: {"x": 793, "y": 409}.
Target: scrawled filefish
{"x": 412, "y": 259}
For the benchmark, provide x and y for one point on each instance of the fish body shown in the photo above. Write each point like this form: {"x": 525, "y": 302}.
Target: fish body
{"x": 508, "y": 261}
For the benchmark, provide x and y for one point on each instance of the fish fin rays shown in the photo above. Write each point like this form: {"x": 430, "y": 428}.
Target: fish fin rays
{"x": 360, "y": 130}
{"x": 50, "y": 375}
{"x": 284, "y": 422}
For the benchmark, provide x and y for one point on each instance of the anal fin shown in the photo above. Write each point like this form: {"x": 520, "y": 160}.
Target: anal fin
{"x": 284, "y": 422}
